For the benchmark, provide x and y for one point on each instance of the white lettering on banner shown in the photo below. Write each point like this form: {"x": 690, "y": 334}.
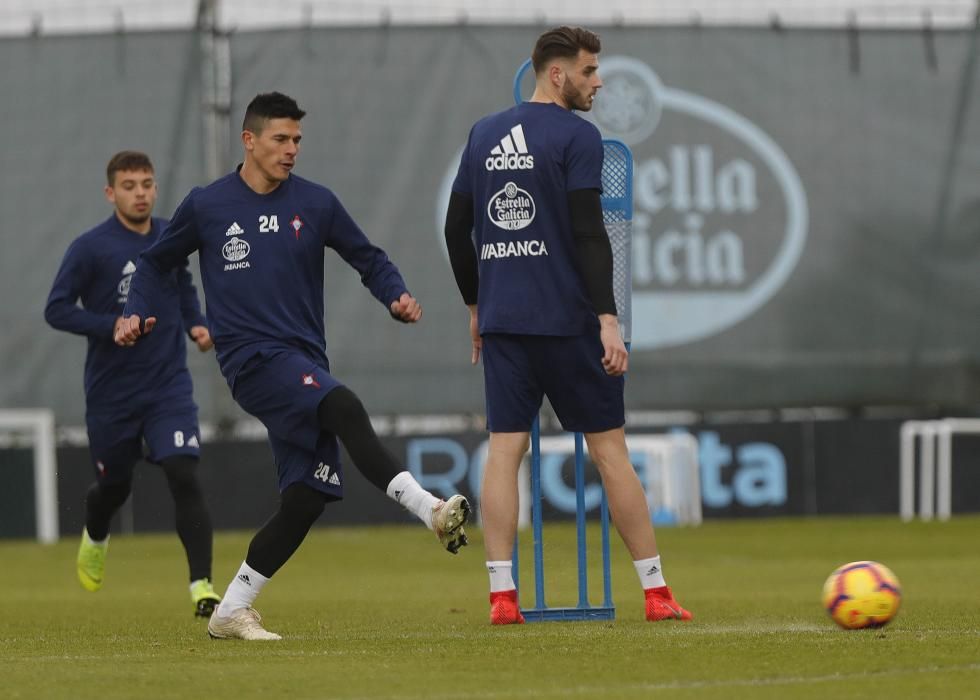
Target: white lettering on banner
{"x": 709, "y": 248}
{"x": 720, "y": 214}
{"x": 686, "y": 256}
{"x": 687, "y": 180}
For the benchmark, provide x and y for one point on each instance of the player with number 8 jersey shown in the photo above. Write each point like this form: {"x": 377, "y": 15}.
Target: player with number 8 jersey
{"x": 136, "y": 399}
{"x": 261, "y": 233}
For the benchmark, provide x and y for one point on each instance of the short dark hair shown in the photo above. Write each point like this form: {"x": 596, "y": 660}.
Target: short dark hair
{"x": 127, "y": 160}
{"x": 563, "y": 42}
{"x": 270, "y": 105}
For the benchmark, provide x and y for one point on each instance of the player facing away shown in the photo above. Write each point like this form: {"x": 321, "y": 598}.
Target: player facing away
{"x": 261, "y": 233}
{"x": 538, "y": 285}
{"x": 137, "y": 395}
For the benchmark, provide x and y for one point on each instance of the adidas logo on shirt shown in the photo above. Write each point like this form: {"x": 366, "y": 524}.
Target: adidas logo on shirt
{"x": 123, "y": 287}
{"x": 235, "y": 230}
{"x": 511, "y": 153}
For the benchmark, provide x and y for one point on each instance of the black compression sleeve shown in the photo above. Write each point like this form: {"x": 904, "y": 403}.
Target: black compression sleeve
{"x": 342, "y": 413}
{"x": 459, "y": 243}
{"x": 594, "y": 253}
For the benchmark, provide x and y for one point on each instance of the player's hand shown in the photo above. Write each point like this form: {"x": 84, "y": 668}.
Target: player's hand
{"x": 615, "y": 359}
{"x": 406, "y": 309}
{"x": 202, "y": 336}
{"x": 128, "y": 329}
{"x": 475, "y": 336}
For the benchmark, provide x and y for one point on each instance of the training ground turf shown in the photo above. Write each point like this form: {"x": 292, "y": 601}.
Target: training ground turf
{"x": 384, "y": 613}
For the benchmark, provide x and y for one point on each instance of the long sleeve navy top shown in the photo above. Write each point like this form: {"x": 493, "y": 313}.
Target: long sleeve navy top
{"x": 261, "y": 258}
{"x": 97, "y": 270}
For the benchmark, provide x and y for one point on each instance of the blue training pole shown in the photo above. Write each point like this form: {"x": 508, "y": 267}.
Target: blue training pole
{"x": 536, "y": 518}
{"x": 583, "y": 574}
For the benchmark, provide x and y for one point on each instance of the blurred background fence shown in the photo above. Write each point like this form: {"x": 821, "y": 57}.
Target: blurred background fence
{"x": 807, "y": 189}
{"x": 808, "y": 199}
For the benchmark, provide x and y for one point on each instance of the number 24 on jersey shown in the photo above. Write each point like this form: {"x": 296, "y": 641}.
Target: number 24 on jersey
{"x": 269, "y": 223}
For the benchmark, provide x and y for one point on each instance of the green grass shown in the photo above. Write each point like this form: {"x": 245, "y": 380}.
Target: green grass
{"x": 382, "y": 612}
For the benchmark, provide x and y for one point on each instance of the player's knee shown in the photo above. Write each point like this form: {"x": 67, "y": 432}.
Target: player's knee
{"x": 181, "y": 473}
{"x": 341, "y": 412}
{"x": 509, "y": 446}
{"x": 112, "y": 495}
{"x": 605, "y": 456}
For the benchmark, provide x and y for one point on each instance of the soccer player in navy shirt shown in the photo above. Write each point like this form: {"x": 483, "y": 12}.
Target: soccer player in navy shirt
{"x": 538, "y": 284}
{"x": 140, "y": 394}
{"x": 261, "y": 233}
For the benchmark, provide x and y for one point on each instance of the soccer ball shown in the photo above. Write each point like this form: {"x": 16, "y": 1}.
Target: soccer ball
{"x": 862, "y": 594}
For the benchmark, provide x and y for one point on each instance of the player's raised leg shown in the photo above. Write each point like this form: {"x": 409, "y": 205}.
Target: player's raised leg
{"x": 342, "y": 414}
{"x": 499, "y": 509}
{"x": 631, "y": 516}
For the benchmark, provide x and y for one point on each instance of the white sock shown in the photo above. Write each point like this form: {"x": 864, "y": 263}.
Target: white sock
{"x": 650, "y": 573}
{"x": 500, "y": 576}
{"x": 242, "y": 591}
{"x": 406, "y": 490}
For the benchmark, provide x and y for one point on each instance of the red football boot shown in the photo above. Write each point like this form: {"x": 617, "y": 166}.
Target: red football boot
{"x": 504, "y": 609}
{"x": 662, "y": 606}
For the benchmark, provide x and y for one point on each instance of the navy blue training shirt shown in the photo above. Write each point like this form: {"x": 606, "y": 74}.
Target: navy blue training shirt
{"x": 518, "y": 167}
{"x": 261, "y": 258}
{"x": 97, "y": 269}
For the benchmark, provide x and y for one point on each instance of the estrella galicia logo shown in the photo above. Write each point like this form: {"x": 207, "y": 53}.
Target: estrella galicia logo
{"x": 511, "y": 208}
{"x": 720, "y": 215}
{"x": 236, "y": 249}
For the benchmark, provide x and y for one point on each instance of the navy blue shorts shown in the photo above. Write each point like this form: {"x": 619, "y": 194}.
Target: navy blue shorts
{"x": 283, "y": 389}
{"x": 519, "y": 370}
{"x": 167, "y": 426}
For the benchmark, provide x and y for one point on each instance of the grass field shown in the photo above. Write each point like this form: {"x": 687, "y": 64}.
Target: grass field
{"x": 383, "y": 613}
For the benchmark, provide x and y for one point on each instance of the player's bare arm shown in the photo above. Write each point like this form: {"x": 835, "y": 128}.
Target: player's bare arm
{"x": 615, "y": 359}
{"x": 475, "y": 335}
{"x": 406, "y": 309}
